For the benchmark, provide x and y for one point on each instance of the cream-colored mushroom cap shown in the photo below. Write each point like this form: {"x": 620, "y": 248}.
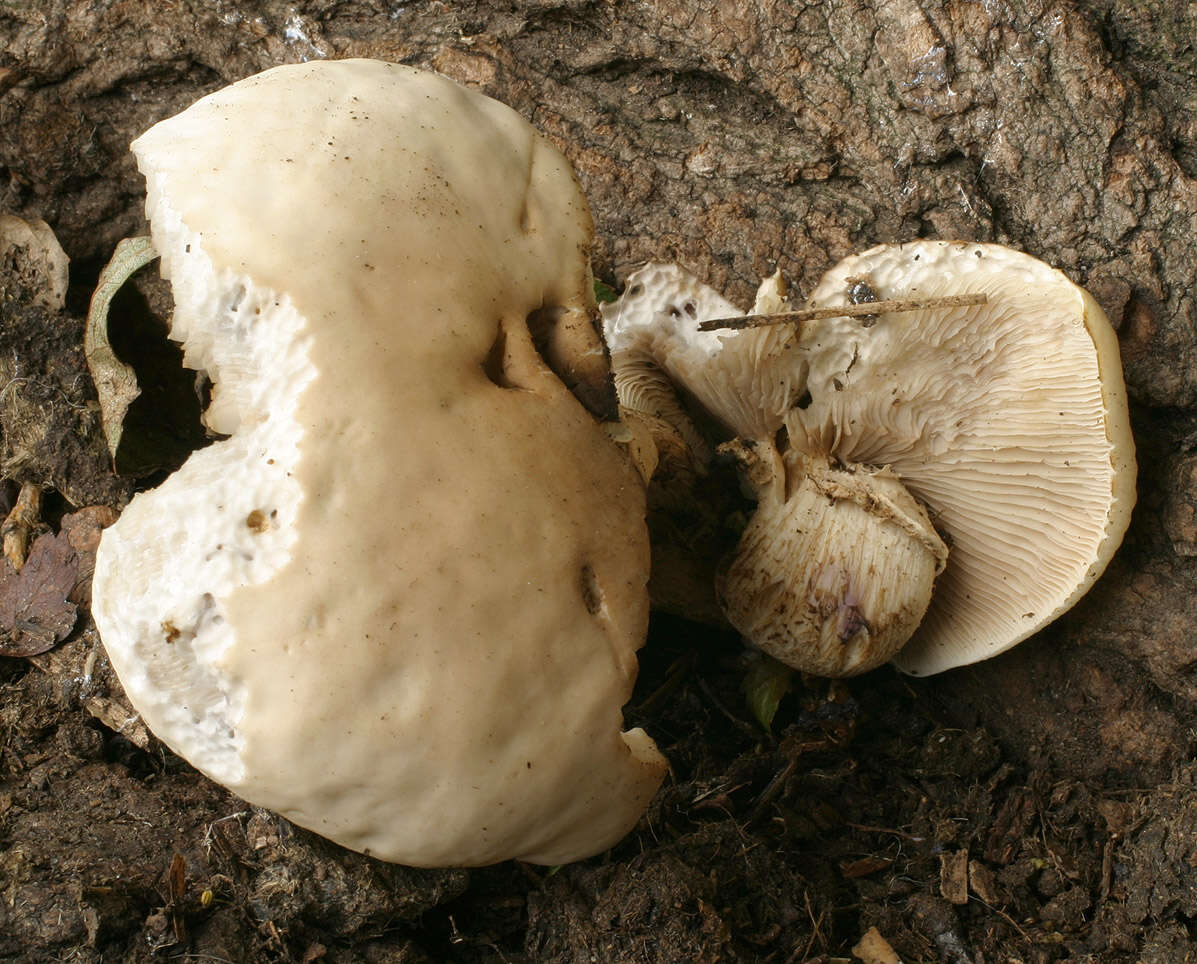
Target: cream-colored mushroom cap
{"x": 1007, "y": 420}
{"x": 400, "y": 603}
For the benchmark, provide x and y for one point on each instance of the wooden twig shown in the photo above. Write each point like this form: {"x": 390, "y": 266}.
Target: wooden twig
{"x": 850, "y": 311}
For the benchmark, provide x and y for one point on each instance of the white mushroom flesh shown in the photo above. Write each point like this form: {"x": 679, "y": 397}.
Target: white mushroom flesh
{"x": 400, "y": 604}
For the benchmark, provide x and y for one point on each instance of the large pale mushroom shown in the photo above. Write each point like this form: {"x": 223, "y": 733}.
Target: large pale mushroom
{"x": 400, "y": 603}
{"x": 1001, "y": 427}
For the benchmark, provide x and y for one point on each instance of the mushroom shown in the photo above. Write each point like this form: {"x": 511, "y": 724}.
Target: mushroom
{"x": 400, "y": 602}
{"x": 1001, "y": 427}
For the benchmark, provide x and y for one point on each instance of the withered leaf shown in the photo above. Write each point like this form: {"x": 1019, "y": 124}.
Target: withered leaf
{"x": 38, "y": 605}
{"x": 864, "y": 866}
{"x": 32, "y": 254}
{"x": 116, "y": 382}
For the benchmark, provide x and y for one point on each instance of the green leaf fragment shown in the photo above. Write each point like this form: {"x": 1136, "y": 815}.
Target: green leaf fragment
{"x": 765, "y": 684}
{"x": 116, "y": 384}
{"x": 604, "y": 293}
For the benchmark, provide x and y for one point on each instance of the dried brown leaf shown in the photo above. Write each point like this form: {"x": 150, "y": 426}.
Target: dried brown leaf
{"x": 38, "y": 604}
{"x": 116, "y": 382}
{"x": 36, "y": 258}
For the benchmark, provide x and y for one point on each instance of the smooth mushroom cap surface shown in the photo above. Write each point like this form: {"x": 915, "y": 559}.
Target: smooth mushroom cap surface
{"x": 1007, "y": 420}
{"x": 400, "y": 604}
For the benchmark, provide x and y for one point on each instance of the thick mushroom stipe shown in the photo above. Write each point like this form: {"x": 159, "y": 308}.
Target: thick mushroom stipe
{"x": 835, "y": 569}
{"x": 809, "y": 581}
{"x": 401, "y": 603}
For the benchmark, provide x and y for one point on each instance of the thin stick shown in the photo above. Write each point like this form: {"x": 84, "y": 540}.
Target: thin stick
{"x": 849, "y": 311}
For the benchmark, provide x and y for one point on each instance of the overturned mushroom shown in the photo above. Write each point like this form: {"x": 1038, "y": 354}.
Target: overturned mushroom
{"x": 657, "y": 349}
{"x": 1001, "y": 426}
{"x": 400, "y": 603}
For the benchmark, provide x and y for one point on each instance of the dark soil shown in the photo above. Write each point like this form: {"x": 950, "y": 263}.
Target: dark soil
{"x": 1039, "y": 807}
{"x": 870, "y": 805}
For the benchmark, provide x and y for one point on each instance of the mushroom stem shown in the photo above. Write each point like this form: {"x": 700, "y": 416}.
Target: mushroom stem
{"x": 834, "y": 572}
